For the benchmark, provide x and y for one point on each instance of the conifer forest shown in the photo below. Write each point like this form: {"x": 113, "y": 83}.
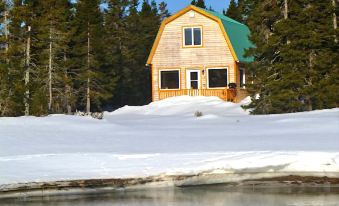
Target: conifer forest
{"x": 62, "y": 56}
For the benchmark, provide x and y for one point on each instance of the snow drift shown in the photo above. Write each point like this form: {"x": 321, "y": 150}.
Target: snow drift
{"x": 165, "y": 138}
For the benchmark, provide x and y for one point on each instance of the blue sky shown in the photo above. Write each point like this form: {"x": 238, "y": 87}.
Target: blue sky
{"x": 176, "y": 5}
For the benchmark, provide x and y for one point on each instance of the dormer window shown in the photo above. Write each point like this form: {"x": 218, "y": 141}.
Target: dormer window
{"x": 192, "y": 36}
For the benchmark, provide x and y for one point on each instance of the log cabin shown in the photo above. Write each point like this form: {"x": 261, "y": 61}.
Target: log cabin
{"x": 198, "y": 52}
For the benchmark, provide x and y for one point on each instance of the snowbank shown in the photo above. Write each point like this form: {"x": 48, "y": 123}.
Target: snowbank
{"x": 165, "y": 138}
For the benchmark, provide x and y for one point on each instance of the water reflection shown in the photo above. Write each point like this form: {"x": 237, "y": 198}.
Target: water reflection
{"x": 194, "y": 196}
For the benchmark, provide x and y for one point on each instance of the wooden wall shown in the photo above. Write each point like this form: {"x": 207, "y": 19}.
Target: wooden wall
{"x": 170, "y": 53}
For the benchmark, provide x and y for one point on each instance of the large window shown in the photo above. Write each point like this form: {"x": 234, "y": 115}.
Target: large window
{"x": 192, "y": 36}
{"x": 169, "y": 79}
{"x": 217, "y": 78}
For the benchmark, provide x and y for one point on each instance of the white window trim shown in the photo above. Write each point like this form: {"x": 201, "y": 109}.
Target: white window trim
{"x": 208, "y": 78}
{"x": 199, "y": 76}
{"x": 183, "y": 36}
{"x": 243, "y": 77}
{"x": 168, "y": 70}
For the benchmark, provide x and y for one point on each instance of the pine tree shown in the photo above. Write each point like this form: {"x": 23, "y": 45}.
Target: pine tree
{"x": 15, "y": 69}
{"x": 4, "y": 63}
{"x": 164, "y": 13}
{"x": 140, "y": 85}
{"x": 233, "y": 11}
{"x": 87, "y": 56}
{"x": 22, "y": 43}
{"x": 54, "y": 37}
{"x": 296, "y": 66}
{"x": 246, "y": 7}
{"x": 116, "y": 34}
{"x": 266, "y": 77}
{"x": 199, "y": 3}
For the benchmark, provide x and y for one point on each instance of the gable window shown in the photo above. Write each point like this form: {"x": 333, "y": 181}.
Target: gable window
{"x": 242, "y": 78}
{"x": 217, "y": 78}
{"x": 192, "y": 36}
{"x": 169, "y": 79}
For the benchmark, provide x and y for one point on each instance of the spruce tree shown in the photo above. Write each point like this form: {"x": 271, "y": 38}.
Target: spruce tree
{"x": 164, "y": 13}
{"x": 296, "y": 60}
{"x": 87, "y": 56}
{"x": 149, "y": 26}
{"x": 54, "y": 37}
{"x": 22, "y": 47}
{"x": 115, "y": 47}
{"x": 199, "y": 3}
{"x": 233, "y": 11}
{"x": 4, "y": 64}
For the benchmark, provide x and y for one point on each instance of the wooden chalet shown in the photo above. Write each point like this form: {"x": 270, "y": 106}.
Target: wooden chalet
{"x": 198, "y": 52}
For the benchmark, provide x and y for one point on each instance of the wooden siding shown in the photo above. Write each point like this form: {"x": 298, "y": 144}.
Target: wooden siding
{"x": 170, "y": 53}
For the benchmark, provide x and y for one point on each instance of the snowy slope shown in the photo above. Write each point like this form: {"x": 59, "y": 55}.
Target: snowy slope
{"x": 165, "y": 138}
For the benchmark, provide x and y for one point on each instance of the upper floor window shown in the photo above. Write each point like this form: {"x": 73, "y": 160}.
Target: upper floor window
{"x": 192, "y": 36}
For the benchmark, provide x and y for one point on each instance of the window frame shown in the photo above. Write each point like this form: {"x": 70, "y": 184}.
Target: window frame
{"x": 200, "y": 76}
{"x": 168, "y": 70}
{"x": 184, "y": 38}
{"x": 208, "y": 78}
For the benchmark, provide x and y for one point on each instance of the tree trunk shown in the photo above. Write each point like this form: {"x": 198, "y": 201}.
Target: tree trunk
{"x": 286, "y": 16}
{"x": 27, "y": 72}
{"x": 6, "y": 34}
{"x": 67, "y": 90}
{"x": 88, "y": 96}
{"x": 68, "y": 106}
{"x": 285, "y": 9}
{"x": 50, "y": 72}
{"x": 308, "y": 98}
{"x": 335, "y": 25}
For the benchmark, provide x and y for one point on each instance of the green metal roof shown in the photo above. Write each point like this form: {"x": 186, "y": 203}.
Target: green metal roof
{"x": 238, "y": 34}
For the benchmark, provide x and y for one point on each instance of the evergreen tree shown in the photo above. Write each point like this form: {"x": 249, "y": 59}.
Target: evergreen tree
{"x": 164, "y": 13}
{"x": 199, "y": 3}
{"x": 140, "y": 85}
{"x": 245, "y": 8}
{"x": 87, "y": 56}
{"x": 20, "y": 65}
{"x": 116, "y": 34}
{"x": 4, "y": 64}
{"x": 233, "y": 11}
{"x": 296, "y": 66}
{"x": 54, "y": 37}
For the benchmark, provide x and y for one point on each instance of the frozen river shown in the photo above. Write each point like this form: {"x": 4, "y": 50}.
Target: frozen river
{"x": 195, "y": 196}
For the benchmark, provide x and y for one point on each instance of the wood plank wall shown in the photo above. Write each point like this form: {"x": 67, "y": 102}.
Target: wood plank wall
{"x": 170, "y": 54}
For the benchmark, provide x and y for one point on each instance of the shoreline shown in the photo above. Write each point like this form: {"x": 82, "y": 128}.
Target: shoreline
{"x": 96, "y": 186}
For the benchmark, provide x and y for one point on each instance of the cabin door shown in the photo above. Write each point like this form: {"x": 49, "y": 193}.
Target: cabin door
{"x": 192, "y": 79}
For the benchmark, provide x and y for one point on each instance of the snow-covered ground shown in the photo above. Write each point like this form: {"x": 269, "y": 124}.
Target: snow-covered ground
{"x": 165, "y": 138}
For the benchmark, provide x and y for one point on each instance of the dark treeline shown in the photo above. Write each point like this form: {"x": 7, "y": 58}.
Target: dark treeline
{"x": 58, "y": 57}
{"x": 296, "y": 55}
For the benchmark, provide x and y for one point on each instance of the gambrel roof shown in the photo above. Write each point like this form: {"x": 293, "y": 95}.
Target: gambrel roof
{"x": 238, "y": 34}
{"x": 235, "y": 33}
